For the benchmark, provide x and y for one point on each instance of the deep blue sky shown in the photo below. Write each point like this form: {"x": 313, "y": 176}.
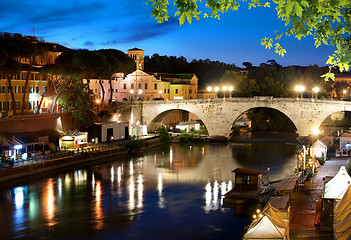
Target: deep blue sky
{"x": 125, "y": 24}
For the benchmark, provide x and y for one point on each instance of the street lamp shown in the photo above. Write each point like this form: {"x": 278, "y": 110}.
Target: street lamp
{"x": 140, "y": 92}
{"x": 216, "y": 90}
{"x": 298, "y": 89}
{"x": 344, "y": 92}
{"x": 209, "y": 90}
{"x": 131, "y": 95}
{"x": 231, "y": 88}
{"x": 224, "y": 88}
{"x": 315, "y": 90}
{"x": 160, "y": 92}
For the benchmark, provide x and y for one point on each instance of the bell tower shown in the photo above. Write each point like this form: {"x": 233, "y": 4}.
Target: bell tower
{"x": 138, "y": 56}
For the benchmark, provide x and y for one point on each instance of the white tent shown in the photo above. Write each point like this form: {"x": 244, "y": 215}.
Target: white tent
{"x": 276, "y": 216}
{"x": 342, "y": 230}
{"x": 336, "y": 187}
{"x": 343, "y": 208}
{"x": 272, "y": 225}
{"x": 265, "y": 229}
{"x": 318, "y": 149}
{"x": 342, "y": 216}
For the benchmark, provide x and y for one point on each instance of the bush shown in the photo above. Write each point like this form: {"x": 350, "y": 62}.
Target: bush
{"x": 134, "y": 145}
{"x": 185, "y": 137}
{"x": 320, "y": 160}
{"x": 164, "y": 135}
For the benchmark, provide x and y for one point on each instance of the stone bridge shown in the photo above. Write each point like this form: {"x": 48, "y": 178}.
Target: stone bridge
{"x": 219, "y": 114}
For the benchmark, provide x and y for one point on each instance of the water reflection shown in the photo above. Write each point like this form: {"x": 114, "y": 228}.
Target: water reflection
{"x": 178, "y": 185}
{"x": 49, "y": 202}
{"x": 99, "y": 221}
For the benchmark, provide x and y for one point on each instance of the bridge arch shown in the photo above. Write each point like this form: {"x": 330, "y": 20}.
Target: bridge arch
{"x": 156, "y": 122}
{"x": 271, "y": 112}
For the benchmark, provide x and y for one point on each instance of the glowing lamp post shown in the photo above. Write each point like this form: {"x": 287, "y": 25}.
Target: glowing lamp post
{"x": 216, "y": 90}
{"x": 231, "y": 88}
{"x": 131, "y": 94}
{"x": 315, "y": 90}
{"x": 300, "y": 89}
{"x": 140, "y": 92}
{"x": 209, "y": 90}
{"x": 160, "y": 92}
{"x": 224, "y": 88}
{"x": 344, "y": 92}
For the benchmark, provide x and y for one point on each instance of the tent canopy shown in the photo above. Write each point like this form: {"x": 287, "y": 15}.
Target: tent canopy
{"x": 342, "y": 216}
{"x": 337, "y": 186}
{"x": 343, "y": 208}
{"x": 265, "y": 229}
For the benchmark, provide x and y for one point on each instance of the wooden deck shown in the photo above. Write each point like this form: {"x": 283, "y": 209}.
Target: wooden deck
{"x": 288, "y": 186}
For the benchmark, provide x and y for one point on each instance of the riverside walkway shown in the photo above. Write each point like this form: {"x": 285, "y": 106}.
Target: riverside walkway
{"x": 303, "y": 207}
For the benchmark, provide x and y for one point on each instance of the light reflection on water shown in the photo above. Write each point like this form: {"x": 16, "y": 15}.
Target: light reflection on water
{"x": 140, "y": 197}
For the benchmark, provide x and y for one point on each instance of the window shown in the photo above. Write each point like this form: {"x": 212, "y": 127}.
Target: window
{"x": 145, "y": 85}
{"x": 116, "y": 90}
{"x": 176, "y": 91}
{"x": 37, "y": 89}
{"x": 2, "y": 105}
{"x": 9, "y": 89}
{"x": 3, "y": 89}
{"x": 31, "y": 89}
{"x": 155, "y": 86}
{"x": 132, "y": 86}
{"x": 17, "y": 89}
{"x": 124, "y": 86}
{"x": 190, "y": 91}
{"x": 168, "y": 91}
{"x": 139, "y": 87}
{"x": 18, "y": 104}
{"x": 44, "y": 89}
{"x": 165, "y": 91}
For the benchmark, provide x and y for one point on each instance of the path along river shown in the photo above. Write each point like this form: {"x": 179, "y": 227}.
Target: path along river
{"x": 173, "y": 192}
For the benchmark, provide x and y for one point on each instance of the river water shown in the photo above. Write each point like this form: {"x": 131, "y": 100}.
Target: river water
{"x": 173, "y": 192}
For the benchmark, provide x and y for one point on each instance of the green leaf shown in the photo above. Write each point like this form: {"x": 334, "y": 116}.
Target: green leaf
{"x": 298, "y": 10}
{"x": 182, "y": 19}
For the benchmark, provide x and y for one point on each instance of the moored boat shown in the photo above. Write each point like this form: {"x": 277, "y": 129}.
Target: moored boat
{"x": 248, "y": 186}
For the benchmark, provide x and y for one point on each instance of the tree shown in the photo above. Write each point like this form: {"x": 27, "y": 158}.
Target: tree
{"x": 247, "y": 64}
{"x": 76, "y": 101}
{"x": 274, "y": 63}
{"x": 327, "y": 21}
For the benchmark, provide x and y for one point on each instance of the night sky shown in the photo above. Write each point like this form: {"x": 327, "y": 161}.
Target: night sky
{"x": 125, "y": 24}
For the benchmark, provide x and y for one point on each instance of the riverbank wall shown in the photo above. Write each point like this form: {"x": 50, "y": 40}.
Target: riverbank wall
{"x": 54, "y": 164}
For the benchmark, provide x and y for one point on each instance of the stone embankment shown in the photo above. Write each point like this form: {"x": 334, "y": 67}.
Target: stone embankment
{"x": 57, "y": 163}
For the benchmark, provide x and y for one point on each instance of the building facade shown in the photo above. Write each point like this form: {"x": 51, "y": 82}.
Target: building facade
{"x": 37, "y": 84}
{"x": 140, "y": 85}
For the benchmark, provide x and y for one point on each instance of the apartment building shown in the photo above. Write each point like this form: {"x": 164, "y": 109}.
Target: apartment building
{"x": 38, "y": 82}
